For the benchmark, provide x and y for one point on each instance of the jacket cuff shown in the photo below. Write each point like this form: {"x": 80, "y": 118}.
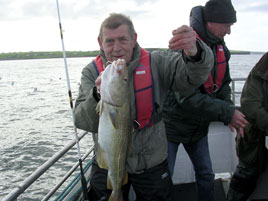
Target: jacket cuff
{"x": 198, "y": 55}
{"x": 227, "y": 117}
{"x": 96, "y": 94}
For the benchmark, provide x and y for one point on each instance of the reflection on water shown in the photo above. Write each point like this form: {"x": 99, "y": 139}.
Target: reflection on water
{"x": 35, "y": 121}
{"x": 35, "y": 118}
{"x": 240, "y": 66}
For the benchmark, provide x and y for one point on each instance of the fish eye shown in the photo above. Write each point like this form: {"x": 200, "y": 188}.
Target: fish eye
{"x": 125, "y": 79}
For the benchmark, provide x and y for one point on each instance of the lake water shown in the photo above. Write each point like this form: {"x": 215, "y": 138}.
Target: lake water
{"x": 36, "y": 122}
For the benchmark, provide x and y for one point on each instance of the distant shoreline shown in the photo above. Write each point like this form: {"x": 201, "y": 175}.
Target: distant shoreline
{"x": 74, "y": 54}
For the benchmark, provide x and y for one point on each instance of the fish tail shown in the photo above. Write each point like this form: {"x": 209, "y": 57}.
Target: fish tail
{"x": 116, "y": 196}
{"x": 125, "y": 181}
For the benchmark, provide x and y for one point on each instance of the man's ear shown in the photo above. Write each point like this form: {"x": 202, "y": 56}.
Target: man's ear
{"x": 100, "y": 43}
{"x": 209, "y": 24}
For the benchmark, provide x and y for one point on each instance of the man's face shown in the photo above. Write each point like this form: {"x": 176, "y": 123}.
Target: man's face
{"x": 219, "y": 29}
{"x": 117, "y": 43}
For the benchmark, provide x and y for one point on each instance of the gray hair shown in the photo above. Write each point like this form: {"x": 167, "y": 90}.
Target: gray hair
{"x": 114, "y": 21}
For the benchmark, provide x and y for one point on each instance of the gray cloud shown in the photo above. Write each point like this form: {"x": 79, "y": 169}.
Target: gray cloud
{"x": 16, "y": 9}
{"x": 45, "y": 8}
{"x": 4, "y": 8}
{"x": 142, "y": 2}
{"x": 259, "y": 6}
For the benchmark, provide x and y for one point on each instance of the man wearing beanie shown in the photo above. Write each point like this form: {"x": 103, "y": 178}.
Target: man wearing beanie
{"x": 187, "y": 115}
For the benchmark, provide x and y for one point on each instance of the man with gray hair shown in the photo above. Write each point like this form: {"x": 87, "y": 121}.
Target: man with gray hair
{"x": 150, "y": 76}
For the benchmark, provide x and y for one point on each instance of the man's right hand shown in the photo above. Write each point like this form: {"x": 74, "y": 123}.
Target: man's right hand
{"x": 238, "y": 123}
{"x": 98, "y": 82}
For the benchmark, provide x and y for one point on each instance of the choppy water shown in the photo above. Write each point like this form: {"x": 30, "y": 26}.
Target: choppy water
{"x": 35, "y": 118}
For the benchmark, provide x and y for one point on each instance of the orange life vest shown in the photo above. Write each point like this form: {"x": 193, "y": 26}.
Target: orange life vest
{"x": 143, "y": 84}
{"x": 213, "y": 85}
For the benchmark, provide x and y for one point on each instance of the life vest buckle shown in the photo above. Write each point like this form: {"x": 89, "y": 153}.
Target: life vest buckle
{"x": 136, "y": 125}
{"x": 215, "y": 88}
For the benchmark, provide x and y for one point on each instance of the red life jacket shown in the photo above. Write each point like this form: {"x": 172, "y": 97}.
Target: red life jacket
{"x": 210, "y": 85}
{"x": 143, "y": 84}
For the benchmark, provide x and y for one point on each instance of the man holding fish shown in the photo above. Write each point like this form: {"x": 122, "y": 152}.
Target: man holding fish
{"x": 129, "y": 85}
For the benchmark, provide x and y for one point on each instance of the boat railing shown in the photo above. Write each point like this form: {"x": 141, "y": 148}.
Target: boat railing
{"x": 236, "y": 91}
{"x": 13, "y": 195}
{"x": 66, "y": 176}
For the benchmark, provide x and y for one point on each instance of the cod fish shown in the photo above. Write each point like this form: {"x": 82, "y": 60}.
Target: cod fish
{"x": 115, "y": 126}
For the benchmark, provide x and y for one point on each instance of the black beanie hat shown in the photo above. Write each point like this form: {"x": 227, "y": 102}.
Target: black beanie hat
{"x": 219, "y": 11}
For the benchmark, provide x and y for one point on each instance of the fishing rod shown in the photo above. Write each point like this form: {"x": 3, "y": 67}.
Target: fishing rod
{"x": 83, "y": 179}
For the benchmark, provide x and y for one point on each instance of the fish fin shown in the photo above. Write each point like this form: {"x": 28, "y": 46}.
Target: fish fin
{"x": 125, "y": 179}
{"x": 100, "y": 159}
{"x": 98, "y": 108}
{"x": 113, "y": 117}
{"x": 116, "y": 196}
{"x": 109, "y": 183}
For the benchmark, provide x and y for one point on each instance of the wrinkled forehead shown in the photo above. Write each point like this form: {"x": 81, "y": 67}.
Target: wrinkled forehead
{"x": 119, "y": 32}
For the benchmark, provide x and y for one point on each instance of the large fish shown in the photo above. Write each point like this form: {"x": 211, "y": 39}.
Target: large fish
{"x": 115, "y": 126}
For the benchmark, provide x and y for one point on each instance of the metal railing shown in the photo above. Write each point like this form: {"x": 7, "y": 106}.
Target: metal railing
{"x": 234, "y": 90}
{"x": 13, "y": 195}
{"x": 42, "y": 169}
{"x": 66, "y": 176}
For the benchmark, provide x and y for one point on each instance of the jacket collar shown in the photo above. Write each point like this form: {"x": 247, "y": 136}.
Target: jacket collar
{"x": 261, "y": 68}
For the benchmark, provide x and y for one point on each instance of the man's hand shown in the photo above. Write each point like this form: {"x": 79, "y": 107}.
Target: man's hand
{"x": 239, "y": 132}
{"x": 184, "y": 38}
{"x": 98, "y": 82}
{"x": 238, "y": 123}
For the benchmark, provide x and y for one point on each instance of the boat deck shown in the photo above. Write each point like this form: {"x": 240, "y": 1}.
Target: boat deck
{"x": 188, "y": 191}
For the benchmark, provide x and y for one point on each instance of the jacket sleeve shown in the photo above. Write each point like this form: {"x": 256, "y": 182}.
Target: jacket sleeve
{"x": 179, "y": 72}
{"x": 86, "y": 117}
{"x": 191, "y": 73}
{"x": 211, "y": 108}
{"x": 252, "y": 103}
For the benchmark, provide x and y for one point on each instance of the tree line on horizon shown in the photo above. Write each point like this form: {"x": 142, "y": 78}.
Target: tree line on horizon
{"x": 69, "y": 54}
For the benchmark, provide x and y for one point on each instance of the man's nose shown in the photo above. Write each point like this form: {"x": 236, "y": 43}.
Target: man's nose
{"x": 117, "y": 46}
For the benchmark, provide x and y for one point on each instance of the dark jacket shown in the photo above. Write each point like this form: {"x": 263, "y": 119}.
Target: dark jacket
{"x": 254, "y": 104}
{"x": 187, "y": 115}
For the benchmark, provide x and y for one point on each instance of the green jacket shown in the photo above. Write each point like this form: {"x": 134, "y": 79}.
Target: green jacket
{"x": 187, "y": 115}
{"x": 149, "y": 145}
{"x": 254, "y": 104}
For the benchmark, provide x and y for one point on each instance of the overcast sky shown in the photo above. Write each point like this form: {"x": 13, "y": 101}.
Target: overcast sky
{"x": 32, "y": 25}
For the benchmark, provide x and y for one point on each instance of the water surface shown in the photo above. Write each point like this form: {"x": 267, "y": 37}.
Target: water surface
{"x": 35, "y": 118}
